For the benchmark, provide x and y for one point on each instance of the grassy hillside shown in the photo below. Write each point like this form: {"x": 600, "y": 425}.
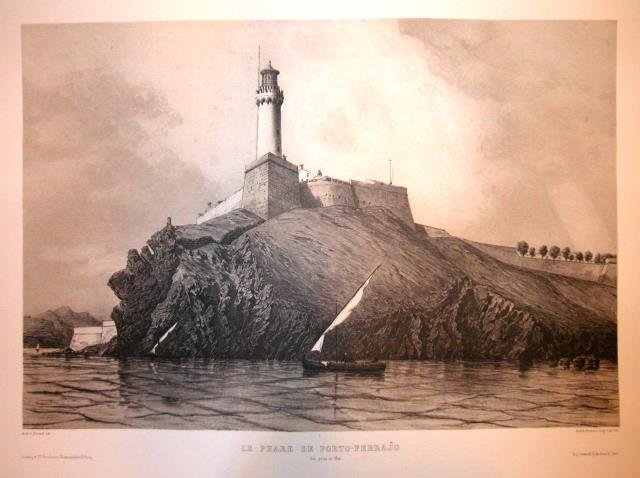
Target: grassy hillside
{"x": 269, "y": 289}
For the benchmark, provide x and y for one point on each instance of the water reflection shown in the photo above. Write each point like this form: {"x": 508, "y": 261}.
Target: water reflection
{"x": 269, "y": 395}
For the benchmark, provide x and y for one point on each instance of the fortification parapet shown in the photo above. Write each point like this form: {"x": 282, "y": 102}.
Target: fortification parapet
{"x": 325, "y": 191}
{"x": 374, "y": 193}
{"x": 228, "y": 204}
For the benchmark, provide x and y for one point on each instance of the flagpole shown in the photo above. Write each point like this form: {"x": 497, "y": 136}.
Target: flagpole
{"x": 257, "y": 109}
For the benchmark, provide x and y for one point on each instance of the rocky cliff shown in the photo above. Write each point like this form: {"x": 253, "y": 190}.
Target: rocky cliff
{"x": 54, "y": 328}
{"x": 238, "y": 287}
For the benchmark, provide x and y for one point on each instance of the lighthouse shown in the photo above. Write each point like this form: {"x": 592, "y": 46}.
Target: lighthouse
{"x": 269, "y": 98}
{"x": 271, "y": 184}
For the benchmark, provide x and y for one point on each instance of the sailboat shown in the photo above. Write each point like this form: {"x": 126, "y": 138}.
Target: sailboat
{"x": 312, "y": 361}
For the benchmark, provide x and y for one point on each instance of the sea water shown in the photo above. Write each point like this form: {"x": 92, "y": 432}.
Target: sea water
{"x": 98, "y": 392}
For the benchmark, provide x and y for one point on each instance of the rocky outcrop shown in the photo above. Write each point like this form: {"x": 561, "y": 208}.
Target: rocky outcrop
{"x": 54, "y": 328}
{"x": 475, "y": 323}
{"x": 238, "y": 287}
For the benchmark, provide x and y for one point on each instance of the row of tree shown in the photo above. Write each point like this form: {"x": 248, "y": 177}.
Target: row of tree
{"x": 554, "y": 252}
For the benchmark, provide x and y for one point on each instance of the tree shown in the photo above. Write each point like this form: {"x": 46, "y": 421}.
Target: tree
{"x": 543, "y": 250}
{"x": 572, "y": 257}
{"x": 598, "y": 259}
{"x": 579, "y": 256}
{"x": 532, "y": 251}
{"x": 566, "y": 252}
{"x": 554, "y": 252}
{"x": 522, "y": 247}
{"x": 588, "y": 256}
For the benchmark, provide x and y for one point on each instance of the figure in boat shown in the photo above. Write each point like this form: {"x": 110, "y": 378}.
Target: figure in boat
{"x": 312, "y": 360}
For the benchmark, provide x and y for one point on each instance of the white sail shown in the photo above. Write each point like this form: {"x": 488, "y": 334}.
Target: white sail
{"x": 153, "y": 350}
{"x": 345, "y": 312}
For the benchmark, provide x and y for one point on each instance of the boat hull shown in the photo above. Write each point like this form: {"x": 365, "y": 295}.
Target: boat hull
{"x": 343, "y": 366}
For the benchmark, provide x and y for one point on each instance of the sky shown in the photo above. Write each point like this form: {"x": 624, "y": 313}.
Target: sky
{"x": 501, "y": 131}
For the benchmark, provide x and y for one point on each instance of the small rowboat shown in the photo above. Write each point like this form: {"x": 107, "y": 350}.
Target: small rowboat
{"x": 312, "y": 360}
{"x": 343, "y": 366}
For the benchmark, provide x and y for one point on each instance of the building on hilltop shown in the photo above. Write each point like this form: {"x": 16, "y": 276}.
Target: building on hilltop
{"x": 273, "y": 185}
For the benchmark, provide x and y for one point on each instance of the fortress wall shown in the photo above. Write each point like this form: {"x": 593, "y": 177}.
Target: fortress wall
{"x": 108, "y": 331}
{"x": 604, "y": 273}
{"x": 271, "y": 186}
{"x": 229, "y": 204}
{"x": 284, "y": 188}
{"x": 394, "y": 198}
{"x": 326, "y": 192}
{"x": 255, "y": 190}
{"x": 85, "y": 336}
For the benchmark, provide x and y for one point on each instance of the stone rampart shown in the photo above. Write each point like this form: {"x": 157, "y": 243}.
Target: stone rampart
{"x": 85, "y": 336}
{"x": 271, "y": 186}
{"x": 108, "y": 331}
{"x": 229, "y": 204}
{"x": 326, "y": 191}
{"x": 284, "y": 187}
{"x": 603, "y": 273}
{"x": 394, "y": 198}
{"x": 255, "y": 191}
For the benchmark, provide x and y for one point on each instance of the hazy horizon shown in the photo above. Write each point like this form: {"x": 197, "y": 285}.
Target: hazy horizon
{"x": 500, "y": 130}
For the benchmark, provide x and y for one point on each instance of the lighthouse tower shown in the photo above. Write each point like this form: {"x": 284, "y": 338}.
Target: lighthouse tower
{"x": 271, "y": 184}
{"x": 269, "y": 98}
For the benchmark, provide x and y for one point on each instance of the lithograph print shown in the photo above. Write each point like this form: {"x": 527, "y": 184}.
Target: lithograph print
{"x": 320, "y": 225}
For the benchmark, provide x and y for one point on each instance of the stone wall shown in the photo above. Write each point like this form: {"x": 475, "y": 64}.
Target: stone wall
{"x": 284, "y": 187}
{"x": 229, "y": 204}
{"x": 604, "y": 273}
{"x": 255, "y": 191}
{"x": 326, "y": 191}
{"x": 271, "y": 186}
{"x": 394, "y": 198}
{"x": 108, "y": 331}
{"x": 85, "y": 336}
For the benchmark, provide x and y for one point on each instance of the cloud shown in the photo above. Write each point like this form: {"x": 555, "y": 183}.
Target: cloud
{"x": 545, "y": 97}
{"x": 98, "y": 180}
